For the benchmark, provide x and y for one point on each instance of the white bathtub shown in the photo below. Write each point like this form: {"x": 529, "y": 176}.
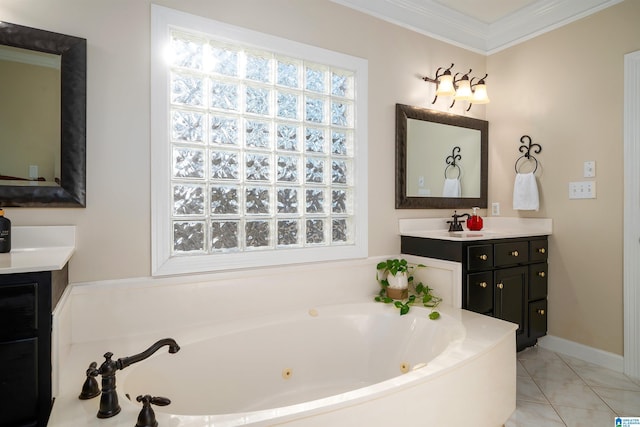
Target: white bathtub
{"x": 334, "y": 366}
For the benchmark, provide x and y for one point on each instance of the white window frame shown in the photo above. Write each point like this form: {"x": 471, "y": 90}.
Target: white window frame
{"x": 163, "y": 262}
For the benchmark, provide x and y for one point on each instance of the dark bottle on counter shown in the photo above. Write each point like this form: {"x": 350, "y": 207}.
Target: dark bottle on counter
{"x": 5, "y": 233}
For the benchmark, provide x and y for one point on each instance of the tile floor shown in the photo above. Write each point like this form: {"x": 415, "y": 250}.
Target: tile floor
{"x": 557, "y": 390}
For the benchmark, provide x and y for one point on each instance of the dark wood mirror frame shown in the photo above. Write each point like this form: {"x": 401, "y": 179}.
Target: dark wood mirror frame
{"x": 404, "y": 112}
{"x": 73, "y": 111}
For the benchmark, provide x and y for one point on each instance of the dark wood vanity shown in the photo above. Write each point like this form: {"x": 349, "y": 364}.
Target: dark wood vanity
{"x": 26, "y": 303}
{"x": 501, "y": 277}
{"x": 33, "y": 277}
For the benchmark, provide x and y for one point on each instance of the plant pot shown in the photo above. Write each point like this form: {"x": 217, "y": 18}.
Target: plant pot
{"x": 396, "y": 293}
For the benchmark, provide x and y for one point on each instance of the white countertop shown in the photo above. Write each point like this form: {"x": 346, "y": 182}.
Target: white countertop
{"x": 493, "y": 228}
{"x": 38, "y": 248}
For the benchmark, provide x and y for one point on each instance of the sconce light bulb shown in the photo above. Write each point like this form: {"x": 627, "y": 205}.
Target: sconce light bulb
{"x": 464, "y": 90}
{"x": 445, "y": 85}
{"x": 480, "y": 95}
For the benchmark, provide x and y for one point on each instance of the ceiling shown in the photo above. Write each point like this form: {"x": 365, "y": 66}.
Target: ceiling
{"x": 486, "y": 26}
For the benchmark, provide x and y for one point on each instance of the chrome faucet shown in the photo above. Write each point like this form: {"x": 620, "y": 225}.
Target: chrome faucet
{"x": 109, "y": 405}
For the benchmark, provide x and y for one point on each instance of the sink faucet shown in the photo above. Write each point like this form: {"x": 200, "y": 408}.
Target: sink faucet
{"x": 109, "y": 405}
{"x": 456, "y": 225}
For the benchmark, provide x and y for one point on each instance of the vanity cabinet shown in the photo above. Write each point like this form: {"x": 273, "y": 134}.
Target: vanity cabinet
{"x": 504, "y": 278}
{"x": 26, "y": 303}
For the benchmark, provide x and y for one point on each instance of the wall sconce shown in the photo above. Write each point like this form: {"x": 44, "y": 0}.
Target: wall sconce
{"x": 461, "y": 88}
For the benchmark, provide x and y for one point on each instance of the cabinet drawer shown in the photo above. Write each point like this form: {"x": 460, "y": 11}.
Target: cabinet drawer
{"x": 537, "y": 319}
{"x": 18, "y": 308}
{"x": 538, "y": 250}
{"x": 510, "y": 253}
{"x": 538, "y": 281}
{"x": 479, "y": 292}
{"x": 479, "y": 257}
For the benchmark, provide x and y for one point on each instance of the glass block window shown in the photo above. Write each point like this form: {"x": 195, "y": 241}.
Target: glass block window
{"x": 263, "y": 149}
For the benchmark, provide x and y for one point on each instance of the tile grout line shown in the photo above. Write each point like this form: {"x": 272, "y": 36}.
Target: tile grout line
{"x": 543, "y": 393}
{"x": 613, "y": 411}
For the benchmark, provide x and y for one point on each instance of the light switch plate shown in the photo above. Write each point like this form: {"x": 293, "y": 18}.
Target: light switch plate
{"x": 582, "y": 190}
{"x": 589, "y": 169}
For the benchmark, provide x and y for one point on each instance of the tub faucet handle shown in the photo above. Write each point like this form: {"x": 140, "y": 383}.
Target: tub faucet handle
{"x": 147, "y": 418}
{"x": 90, "y": 388}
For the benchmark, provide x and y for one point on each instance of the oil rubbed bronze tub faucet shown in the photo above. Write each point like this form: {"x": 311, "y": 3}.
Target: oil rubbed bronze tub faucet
{"x": 109, "y": 399}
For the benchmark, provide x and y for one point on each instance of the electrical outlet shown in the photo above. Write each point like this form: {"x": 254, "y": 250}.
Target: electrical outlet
{"x": 589, "y": 169}
{"x": 495, "y": 209}
{"x": 582, "y": 190}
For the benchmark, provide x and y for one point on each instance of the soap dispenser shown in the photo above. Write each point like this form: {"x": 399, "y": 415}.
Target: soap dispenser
{"x": 5, "y": 233}
{"x": 474, "y": 223}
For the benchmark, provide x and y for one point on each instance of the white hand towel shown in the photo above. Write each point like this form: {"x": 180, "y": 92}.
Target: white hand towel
{"x": 451, "y": 188}
{"x": 525, "y": 192}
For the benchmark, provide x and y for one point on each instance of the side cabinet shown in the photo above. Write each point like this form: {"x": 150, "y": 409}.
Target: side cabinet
{"x": 504, "y": 278}
{"x": 26, "y": 303}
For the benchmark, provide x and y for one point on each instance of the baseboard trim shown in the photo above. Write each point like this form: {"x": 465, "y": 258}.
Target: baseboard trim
{"x": 596, "y": 356}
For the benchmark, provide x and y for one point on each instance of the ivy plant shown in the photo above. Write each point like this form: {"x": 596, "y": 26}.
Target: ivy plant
{"x": 419, "y": 293}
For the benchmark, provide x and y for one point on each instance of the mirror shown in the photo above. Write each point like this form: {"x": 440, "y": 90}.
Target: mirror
{"x": 43, "y": 135}
{"x": 441, "y": 159}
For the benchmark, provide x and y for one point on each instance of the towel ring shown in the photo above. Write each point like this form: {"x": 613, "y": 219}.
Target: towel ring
{"x": 526, "y": 149}
{"x": 452, "y": 166}
{"x": 529, "y": 157}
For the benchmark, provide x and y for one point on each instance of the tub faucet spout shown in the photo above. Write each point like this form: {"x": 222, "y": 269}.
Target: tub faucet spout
{"x": 109, "y": 405}
{"x": 123, "y": 362}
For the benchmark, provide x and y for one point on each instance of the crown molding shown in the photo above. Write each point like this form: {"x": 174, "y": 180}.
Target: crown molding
{"x": 435, "y": 20}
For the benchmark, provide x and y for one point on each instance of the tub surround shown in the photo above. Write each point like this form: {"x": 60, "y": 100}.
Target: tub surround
{"x": 484, "y": 356}
{"x": 494, "y": 228}
{"x": 189, "y": 308}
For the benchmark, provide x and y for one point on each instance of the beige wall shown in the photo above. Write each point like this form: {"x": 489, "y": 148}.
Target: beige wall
{"x": 114, "y": 230}
{"x": 573, "y": 125}
{"x": 565, "y": 90}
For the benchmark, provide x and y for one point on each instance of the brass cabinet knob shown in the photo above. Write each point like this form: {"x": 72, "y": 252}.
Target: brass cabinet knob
{"x": 483, "y": 284}
{"x": 541, "y": 312}
{"x": 500, "y": 285}
{"x": 541, "y": 273}
{"x": 542, "y": 250}
{"x": 514, "y": 253}
{"x": 483, "y": 257}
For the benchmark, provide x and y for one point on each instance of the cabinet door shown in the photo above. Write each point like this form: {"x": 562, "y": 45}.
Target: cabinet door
{"x": 18, "y": 382}
{"x": 538, "y": 319}
{"x": 509, "y": 296}
{"x": 479, "y": 292}
{"x": 18, "y": 311}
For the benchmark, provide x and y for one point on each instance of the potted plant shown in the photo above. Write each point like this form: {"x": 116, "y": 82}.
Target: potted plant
{"x": 396, "y": 280}
{"x": 393, "y": 276}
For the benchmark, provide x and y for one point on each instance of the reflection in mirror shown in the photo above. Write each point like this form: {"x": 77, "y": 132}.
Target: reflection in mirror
{"x": 455, "y": 152}
{"x": 30, "y": 88}
{"x": 52, "y": 174}
{"x": 441, "y": 159}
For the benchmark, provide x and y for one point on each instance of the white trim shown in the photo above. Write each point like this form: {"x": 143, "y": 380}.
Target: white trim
{"x": 163, "y": 263}
{"x": 432, "y": 18}
{"x": 588, "y": 354}
{"x": 631, "y": 294}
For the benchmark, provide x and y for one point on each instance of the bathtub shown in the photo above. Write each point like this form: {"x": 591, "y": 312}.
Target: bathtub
{"x": 334, "y": 366}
